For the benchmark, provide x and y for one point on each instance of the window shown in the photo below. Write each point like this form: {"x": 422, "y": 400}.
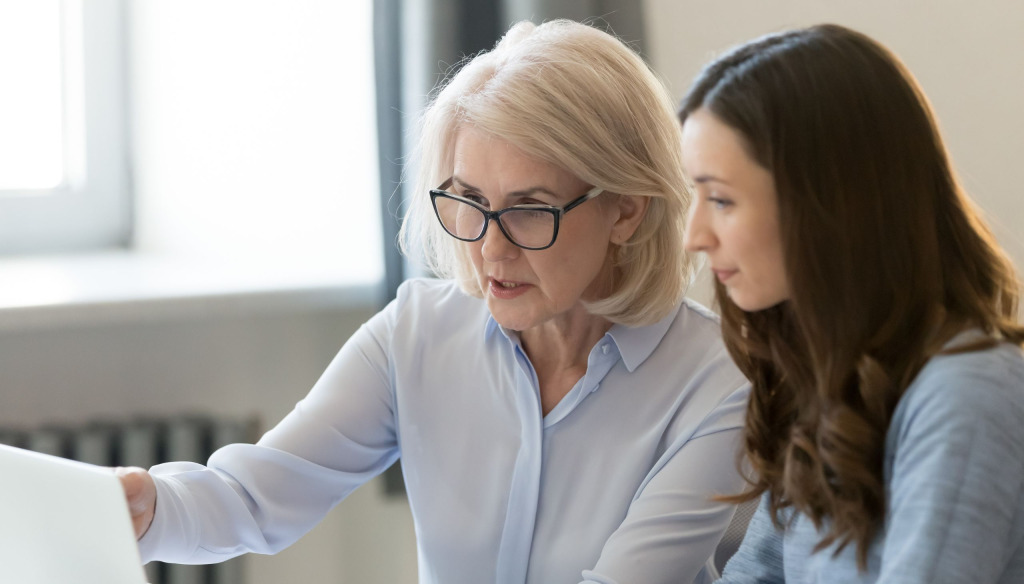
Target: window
{"x": 32, "y": 146}
{"x": 254, "y": 135}
{"x": 252, "y": 152}
{"x": 63, "y": 164}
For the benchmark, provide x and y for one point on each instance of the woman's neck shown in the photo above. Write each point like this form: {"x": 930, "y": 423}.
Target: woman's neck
{"x": 559, "y": 350}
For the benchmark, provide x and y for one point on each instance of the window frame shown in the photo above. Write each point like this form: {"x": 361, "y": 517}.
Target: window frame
{"x": 91, "y": 209}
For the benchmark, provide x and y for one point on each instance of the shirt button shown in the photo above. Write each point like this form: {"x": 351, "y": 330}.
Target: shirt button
{"x": 604, "y": 348}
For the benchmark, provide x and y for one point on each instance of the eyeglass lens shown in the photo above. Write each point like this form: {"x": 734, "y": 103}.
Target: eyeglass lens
{"x": 525, "y": 227}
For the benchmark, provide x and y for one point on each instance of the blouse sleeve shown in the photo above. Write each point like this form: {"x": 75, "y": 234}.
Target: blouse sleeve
{"x": 673, "y": 525}
{"x": 759, "y": 558}
{"x": 263, "y": 497}
{"x": 957, "y": 472}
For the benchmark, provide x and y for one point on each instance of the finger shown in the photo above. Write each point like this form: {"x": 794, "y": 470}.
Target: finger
{"x": 134, "y": 484}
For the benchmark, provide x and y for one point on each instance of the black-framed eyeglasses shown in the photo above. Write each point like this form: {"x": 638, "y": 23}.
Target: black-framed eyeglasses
{"x": 532, "y": 227}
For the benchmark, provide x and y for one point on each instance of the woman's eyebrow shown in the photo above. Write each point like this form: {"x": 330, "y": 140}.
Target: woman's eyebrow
{"x": 465, "y": 185}
{"x": 531, "y": 190}
{"x": 709, "y": 178}
{"x": 521, "y": 193}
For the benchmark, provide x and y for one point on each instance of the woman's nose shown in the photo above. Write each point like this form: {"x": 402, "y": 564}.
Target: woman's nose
{"x": 698, "y": 235}
{"x": 496, "y": 247}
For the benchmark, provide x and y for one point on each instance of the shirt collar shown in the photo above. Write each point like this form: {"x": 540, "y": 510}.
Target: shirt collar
{"x": 635, "y": 344}
{"x": 491, "y": 326}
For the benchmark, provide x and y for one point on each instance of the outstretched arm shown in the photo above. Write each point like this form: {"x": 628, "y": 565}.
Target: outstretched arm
{"x": 263, "y": 497}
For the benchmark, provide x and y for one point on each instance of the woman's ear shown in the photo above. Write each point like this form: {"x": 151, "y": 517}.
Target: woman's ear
{"x": 632, "y": 210}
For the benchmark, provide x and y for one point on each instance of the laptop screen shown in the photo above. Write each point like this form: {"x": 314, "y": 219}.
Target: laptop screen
{"x": 63, "y": 521}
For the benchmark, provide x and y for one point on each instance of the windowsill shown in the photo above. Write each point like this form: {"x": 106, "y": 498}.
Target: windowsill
{"x": 118, "y": 286}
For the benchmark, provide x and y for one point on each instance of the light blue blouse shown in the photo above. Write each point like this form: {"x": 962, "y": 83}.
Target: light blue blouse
{"x": 611, "y": 486}
{"x": 954, "y": 476}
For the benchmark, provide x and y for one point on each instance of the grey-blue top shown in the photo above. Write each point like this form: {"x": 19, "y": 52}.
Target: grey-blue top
{"x": 954, "y": 474}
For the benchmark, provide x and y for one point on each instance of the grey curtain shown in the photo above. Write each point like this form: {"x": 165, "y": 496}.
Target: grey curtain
{"x": 415, "y": 44}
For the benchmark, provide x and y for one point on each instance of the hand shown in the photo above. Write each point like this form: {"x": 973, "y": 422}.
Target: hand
{"x": 140, "y": 491}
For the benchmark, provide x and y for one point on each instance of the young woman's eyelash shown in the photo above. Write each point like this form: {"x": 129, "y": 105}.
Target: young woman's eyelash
{"x": 719, "y": 202}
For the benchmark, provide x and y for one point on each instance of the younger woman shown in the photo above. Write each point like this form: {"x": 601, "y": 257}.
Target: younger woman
{"x": 873, "y": 312}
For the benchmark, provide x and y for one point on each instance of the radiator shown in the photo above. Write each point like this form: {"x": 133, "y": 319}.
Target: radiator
{"x": 145, "y": 442}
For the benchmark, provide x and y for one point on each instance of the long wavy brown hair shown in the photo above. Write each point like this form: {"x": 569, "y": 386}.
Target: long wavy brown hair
{"x": 886, "y": 258}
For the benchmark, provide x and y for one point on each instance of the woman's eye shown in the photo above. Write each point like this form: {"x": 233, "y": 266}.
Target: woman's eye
{"x": 719, "y": 202}
{"x": 475, "y": 198}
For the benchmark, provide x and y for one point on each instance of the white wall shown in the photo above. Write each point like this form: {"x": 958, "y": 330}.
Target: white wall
{"x": 968, "y": 57}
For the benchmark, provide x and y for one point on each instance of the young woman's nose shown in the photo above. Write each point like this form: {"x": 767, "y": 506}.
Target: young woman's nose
{"x": 698, "y": 235}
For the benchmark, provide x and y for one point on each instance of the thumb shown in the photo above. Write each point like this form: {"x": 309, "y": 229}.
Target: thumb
{"x": 140, "y": 494}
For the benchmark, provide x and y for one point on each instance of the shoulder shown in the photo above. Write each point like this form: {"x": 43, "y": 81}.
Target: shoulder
{"x": 697, "y": 324}
{"x": 700, "y": 311}
{"x": 696, "y": 332}
{"x": 693, "y": 355}
{"x": 994, "y": 375}
{"x": 983, "y": 387}
{"x": 430, "y": 296}
{"x": 425, "y": 288}
{"x": 683, "y": 350}
{"x": 955, "y": 445}
{"x": 427, "y": 306}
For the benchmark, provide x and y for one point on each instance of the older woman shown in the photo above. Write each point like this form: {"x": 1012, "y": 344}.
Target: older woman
{"x": 561, "y": 414}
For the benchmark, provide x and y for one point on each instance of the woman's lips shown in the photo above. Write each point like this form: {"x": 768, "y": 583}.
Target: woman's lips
{"x": 507, "y": 289}
{"x": 724, "y": 275}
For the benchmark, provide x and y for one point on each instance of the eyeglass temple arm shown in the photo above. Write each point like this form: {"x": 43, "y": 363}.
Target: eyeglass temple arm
{"x": 586, "y": 197}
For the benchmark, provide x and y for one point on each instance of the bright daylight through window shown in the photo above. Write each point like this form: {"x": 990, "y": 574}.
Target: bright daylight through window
{"x": 31, "y": 143}
{"x": 63, "y": 163}
{"x": 252, "y": 151}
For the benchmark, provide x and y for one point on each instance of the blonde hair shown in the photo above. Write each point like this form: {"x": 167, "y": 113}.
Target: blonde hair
{"x": 578, "y": 98}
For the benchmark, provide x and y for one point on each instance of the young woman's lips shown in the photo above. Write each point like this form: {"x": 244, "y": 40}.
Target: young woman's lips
{"x": 724, "y": 275}
{"x": 507, "y": 289}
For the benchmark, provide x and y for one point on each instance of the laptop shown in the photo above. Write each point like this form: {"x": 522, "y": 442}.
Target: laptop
{"x": 63, "y": 522}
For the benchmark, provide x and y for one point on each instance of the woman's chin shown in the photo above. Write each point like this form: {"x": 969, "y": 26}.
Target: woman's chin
{"x": 510, "y": 319}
